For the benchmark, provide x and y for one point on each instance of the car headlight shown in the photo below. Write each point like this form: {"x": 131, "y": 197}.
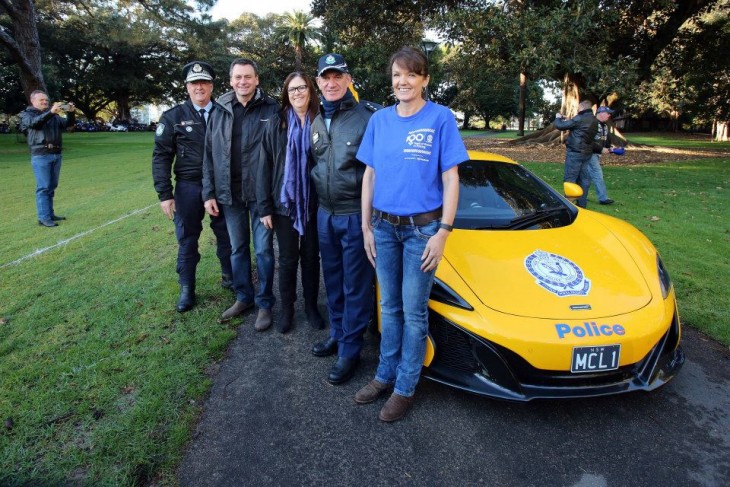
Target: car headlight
{"x": 664, "y": 281}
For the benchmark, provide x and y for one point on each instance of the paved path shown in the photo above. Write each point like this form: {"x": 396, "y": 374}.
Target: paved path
{"x": 272, "y": 419}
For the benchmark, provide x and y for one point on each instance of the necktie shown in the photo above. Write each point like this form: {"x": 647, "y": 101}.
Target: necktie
{"x": 202, "y": 115}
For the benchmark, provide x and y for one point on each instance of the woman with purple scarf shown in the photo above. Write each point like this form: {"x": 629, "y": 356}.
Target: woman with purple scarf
{"x": 287, "y": 200}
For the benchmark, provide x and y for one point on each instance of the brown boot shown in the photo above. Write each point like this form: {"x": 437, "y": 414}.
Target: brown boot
{"x": 371, "y": 391}
{"x": 238, "y": 308}
{"x": 395, "y": 408}
{"x": 263, "y": 320}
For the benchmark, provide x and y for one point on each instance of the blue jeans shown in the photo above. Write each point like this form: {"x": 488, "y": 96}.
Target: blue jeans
{"x": 404, "y": 293}
{"x": 596, "y": 175}
{"x": 348, "y": 279}
{"x": 576, "y": 171}
{"x": 189, "y": 214}
{"x": 242, "y": 219}
{"x": 47, "y": 169}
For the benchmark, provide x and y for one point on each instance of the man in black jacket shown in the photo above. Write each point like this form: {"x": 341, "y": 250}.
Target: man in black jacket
{"x": 579, "y": 146}
{"x": 44, "y": 129}
{"x": 337, "y": 176}
{"x": 229, "y": 183}
{"x": 180, "y": 137}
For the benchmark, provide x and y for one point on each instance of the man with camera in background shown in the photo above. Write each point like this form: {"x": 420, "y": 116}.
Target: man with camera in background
{"x": 44, "y": 129}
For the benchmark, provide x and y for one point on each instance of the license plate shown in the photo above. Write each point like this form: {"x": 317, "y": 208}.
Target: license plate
{"x": 595, "y": 359}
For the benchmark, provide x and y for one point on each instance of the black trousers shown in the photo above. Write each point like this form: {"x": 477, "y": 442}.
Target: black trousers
{"x": 189, "y": 214}
{"x": 295, "y": 249}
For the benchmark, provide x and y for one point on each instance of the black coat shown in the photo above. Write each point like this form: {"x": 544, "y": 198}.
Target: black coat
{"x": 180, "y": 138}
{"x": 583, "y": 128}
{"x": 270, "y": 178}
{"x": 44, "y": 130}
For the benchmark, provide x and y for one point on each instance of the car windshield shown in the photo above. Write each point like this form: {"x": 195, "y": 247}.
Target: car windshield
{"x": 500, "y": 196}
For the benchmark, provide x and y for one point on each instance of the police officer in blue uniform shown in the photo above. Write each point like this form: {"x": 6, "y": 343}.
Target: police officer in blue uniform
{"x": 179, "y": 144}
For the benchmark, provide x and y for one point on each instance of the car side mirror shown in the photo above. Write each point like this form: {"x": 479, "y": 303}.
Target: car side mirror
{"x": 572, "y": 191}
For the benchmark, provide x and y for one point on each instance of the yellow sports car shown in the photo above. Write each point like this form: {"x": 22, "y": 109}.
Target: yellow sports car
{"x": 536, "y": 298}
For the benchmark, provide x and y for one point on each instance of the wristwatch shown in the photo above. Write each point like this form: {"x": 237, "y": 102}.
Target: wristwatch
{"x": 446, "y": 226}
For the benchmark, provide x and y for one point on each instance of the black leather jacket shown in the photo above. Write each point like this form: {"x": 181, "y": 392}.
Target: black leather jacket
{"x": 217, "y": 157}
{"x": 270, "y": 178}
{"x": 337, "y": 175}
{"x": 180, "y": 137}
{"x": 583, "y": 128}
{"x": 44, "y": 130}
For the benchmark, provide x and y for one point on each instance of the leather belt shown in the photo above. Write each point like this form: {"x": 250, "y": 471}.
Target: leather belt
{"x": 417, "y": 219}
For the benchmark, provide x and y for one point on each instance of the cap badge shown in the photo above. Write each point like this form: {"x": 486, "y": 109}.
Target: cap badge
{"x": 197, "y": 68}
{"x": 330, "y": 59}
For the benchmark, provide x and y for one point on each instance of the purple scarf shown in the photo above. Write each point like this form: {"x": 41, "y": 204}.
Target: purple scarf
{"x": 295, "y": 187}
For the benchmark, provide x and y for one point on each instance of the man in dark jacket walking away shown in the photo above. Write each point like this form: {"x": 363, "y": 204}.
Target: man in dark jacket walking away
{"x": 44, "y": 128}
{"x": 337, "y": 176}
{"x": 180, "y": 137}
{"x": 579, "y": 146}
{"x": 229, "y": 183}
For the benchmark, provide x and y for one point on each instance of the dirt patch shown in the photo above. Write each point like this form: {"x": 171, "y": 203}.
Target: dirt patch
{"x": 556, "y": 153}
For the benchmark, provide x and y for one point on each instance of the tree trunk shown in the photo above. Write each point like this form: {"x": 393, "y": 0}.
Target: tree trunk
{"x": 466, "y": 125}
{"x": 721, "y": 131}
{"x": 523, "y": 101}
{"x": 24, "y": 47}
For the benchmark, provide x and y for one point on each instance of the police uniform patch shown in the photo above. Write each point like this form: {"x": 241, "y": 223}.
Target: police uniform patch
{"x": 557, "y": 274}
{"x": 315, "y": 137}
{"x": 189, "y": 128}
{"x": 160, "y": 129}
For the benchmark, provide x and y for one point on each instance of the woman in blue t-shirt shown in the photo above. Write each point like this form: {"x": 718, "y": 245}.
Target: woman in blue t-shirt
{"x": 409, "y": 196}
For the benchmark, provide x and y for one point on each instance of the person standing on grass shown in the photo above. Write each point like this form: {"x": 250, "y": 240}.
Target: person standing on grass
{"x": 579, "y": 146}
{"x": 410, "y": 191}
{"x": 179, "y": 145}
{"x": 601, "y": 145}
{"x": 337, "y": 176}
{"x": 44, "y": 128}
{"x": 286, "y": 199}
{"x": 230, "y": 165}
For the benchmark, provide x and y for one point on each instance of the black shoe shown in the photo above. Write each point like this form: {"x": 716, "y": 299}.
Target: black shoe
{"x": 187, "y": 299}
{"x": 227, "y": 281}
{"x": 58, "y": 218}
{"x": 286, "y": 319}
{"x": 47, "y": 223}
{"x": 343, "y": 370}
{"x": 607, "y": 201}
{"x": 314, "y": 317}
{"x": 325, "y": 348}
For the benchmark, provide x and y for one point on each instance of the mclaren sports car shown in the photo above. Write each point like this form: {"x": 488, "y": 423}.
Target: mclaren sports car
{"x": 536, "y": 298}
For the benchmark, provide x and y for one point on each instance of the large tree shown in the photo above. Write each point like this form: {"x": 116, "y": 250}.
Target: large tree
{"x": 298, "y": 29}
{"x": 19, "y": 35}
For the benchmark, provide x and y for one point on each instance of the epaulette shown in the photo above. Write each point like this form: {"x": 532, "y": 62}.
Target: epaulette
{"x": 373, "y": 107}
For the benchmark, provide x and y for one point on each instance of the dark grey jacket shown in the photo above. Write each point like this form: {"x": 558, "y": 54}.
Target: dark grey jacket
{"x": 583, "y": 128}
{"x": 337, "y": 174}
{"x": 44, "y": 130}
{"x": 217, "y": 157}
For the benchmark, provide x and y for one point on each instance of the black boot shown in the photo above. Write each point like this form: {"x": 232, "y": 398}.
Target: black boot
{"x": 286, "y": 319}
{"x": 313, "y": 316}
{"x": 187, "y": 299}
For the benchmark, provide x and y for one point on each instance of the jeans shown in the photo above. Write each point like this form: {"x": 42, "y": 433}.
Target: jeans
{"x": 576, "y": 171}
{"x": 242, "y": 219}
{"x": 348, "y": 279}
{"x": 47, "y": 169}
{"x": 295, "y": 249}
{"x": 404, "y": 293}
{"x": 596, "y": 175}
{"x": 189, "y": 214}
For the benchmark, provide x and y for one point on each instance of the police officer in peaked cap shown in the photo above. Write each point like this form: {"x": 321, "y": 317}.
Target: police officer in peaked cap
{"x": 179, "y": 144}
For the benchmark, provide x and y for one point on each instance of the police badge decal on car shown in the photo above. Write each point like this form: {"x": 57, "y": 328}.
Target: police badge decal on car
{"x": 557, "y": 274}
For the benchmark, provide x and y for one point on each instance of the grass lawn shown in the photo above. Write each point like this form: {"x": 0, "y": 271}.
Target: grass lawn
{"x": 680, "y": 140}
{"x": 102, "y": 380}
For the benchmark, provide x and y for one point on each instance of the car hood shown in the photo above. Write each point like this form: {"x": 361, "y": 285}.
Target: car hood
{"x": 580, "y": 271}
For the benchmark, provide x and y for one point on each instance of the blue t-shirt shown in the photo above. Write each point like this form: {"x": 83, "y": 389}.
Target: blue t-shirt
{"x": 409, "y": 154}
